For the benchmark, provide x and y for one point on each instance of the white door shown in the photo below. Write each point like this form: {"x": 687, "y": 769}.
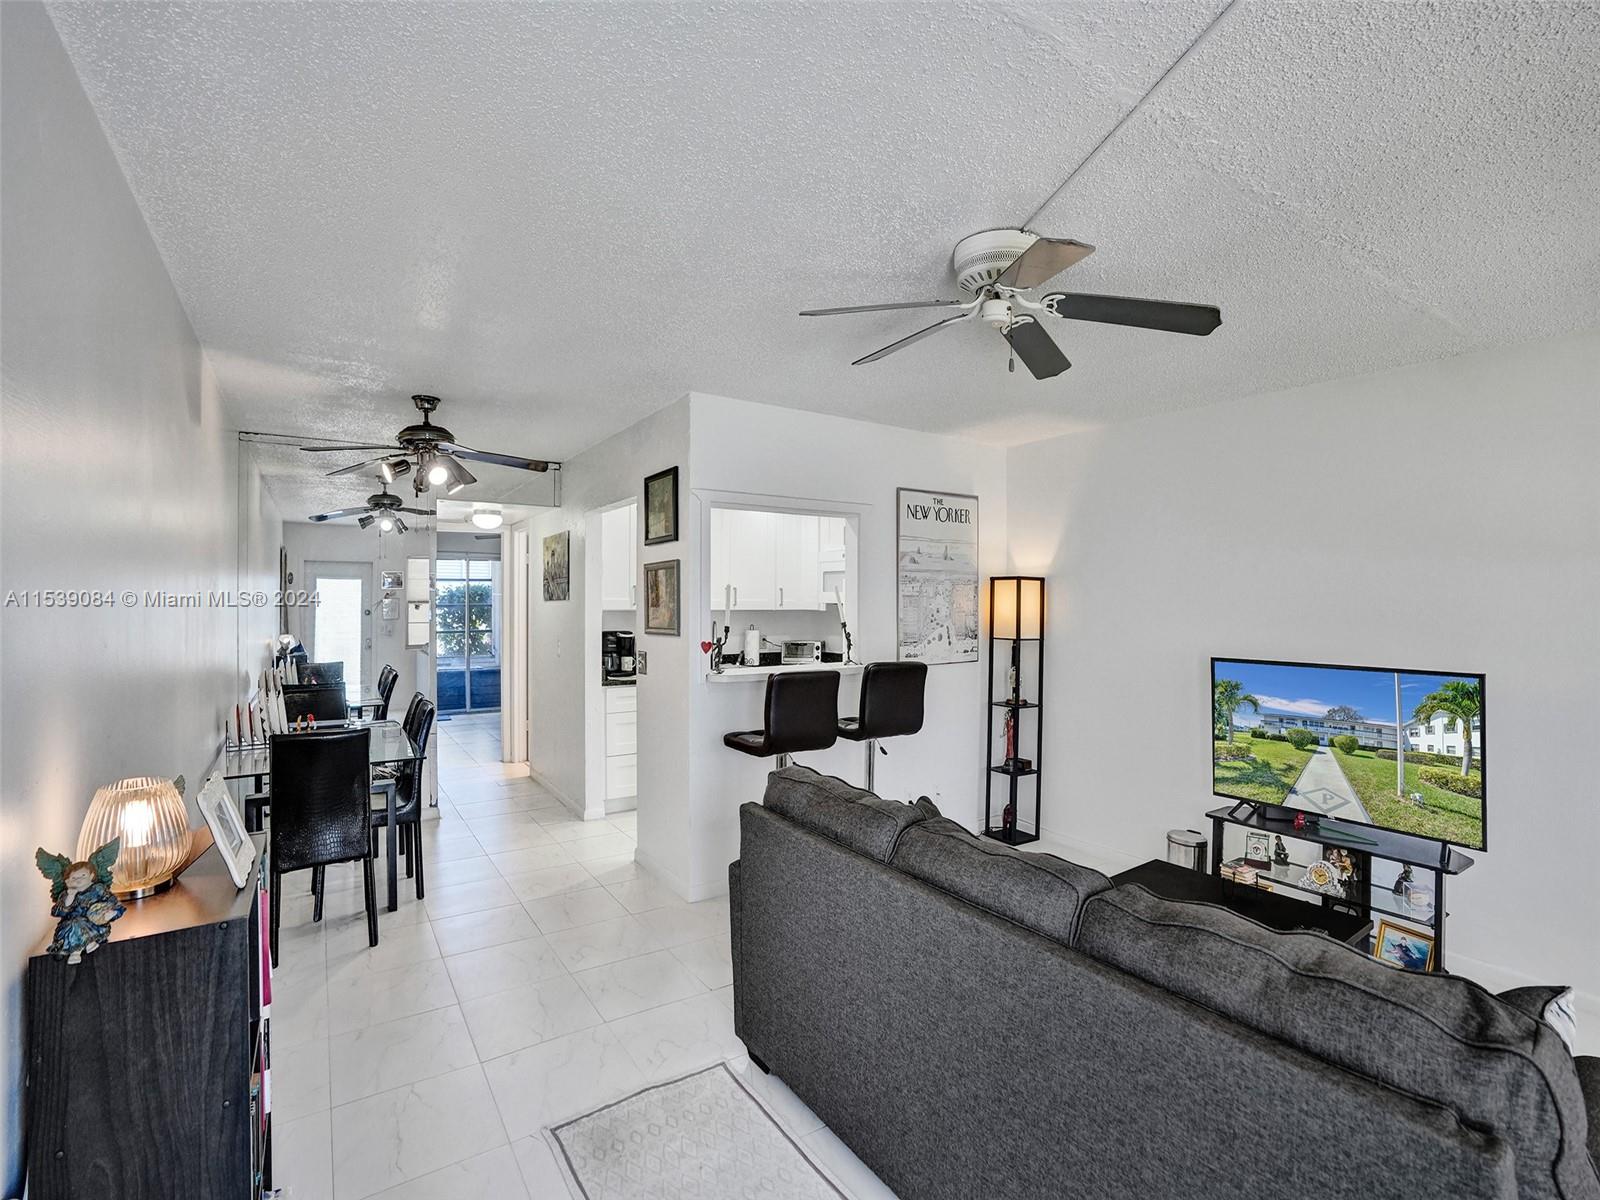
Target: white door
{"x": 341, "y": 623}
{"x": 798, "y": 572}
{"x": 752, "y": 559}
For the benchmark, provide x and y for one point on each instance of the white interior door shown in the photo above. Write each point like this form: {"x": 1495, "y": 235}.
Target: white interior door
{"x": 341, "y": 624}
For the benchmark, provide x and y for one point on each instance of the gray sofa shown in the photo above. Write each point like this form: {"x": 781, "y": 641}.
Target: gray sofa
{"x": 978, "y": 1024}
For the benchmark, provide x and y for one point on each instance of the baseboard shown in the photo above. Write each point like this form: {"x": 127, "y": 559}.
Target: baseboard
{"x": 671, "y": 878}
{"x": 549, "y": 786}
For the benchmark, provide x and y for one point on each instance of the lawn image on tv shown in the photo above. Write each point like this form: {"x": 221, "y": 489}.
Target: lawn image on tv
{"x": 1402, "y": 750}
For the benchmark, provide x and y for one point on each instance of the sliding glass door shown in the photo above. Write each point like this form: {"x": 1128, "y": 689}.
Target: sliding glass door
{"x": 468, "y": 633}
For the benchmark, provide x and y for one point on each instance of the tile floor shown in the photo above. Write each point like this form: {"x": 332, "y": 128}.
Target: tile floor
{"x": 544, "y": 974}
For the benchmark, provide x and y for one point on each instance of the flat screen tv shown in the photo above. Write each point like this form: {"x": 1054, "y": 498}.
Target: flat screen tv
{"x": 1401, "y": 750}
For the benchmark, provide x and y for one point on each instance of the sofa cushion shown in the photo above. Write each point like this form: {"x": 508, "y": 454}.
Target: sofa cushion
{"x": 1552, "y": 1005}
{"x": 1436, "y": 1037}
{"x": 1589, "y": 1081}
{"x": 1037, "y": 891}
{"x": 848, "y": 815}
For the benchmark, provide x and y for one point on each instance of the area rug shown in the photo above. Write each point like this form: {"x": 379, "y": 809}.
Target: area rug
{"x": 703, "y": 1136}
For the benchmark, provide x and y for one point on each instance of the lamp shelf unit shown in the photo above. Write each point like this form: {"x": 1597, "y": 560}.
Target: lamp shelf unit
{"x": 1016, "y": 661}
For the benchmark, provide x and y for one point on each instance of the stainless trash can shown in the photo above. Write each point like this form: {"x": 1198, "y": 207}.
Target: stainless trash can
{"x": 1187, "y": 848}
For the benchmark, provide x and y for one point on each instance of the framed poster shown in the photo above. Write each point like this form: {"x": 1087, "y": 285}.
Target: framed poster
{"x": 661, "y": 507}
{"x": 558, "y": 566}
{"x": 936, "y": 576}
{"x": 227, "y": 828}
{"x": 661, "y": 596}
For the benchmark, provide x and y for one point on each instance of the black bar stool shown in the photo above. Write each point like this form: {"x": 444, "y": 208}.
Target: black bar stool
{"x": 802, "y": 713}
{"x": 891, "y": 706}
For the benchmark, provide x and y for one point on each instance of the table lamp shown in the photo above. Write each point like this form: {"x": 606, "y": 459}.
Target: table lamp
{"x": 149, "y": 815}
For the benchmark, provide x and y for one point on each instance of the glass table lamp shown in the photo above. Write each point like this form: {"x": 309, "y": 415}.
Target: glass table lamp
{"x": 148, "y": 814}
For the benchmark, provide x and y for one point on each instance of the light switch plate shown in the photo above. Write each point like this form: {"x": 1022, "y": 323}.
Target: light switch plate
{"x": 643, "y": 665}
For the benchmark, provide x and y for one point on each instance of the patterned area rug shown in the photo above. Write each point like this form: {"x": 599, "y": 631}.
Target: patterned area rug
{"x": 702, "y": 1136}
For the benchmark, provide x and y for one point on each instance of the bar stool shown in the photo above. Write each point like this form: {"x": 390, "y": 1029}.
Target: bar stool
{"x": 802, "y": 712}
{"x": 891, "y": 706}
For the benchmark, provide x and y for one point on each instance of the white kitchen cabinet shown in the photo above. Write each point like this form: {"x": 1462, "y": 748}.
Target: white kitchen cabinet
{"x": 619, "y": 558}
{"x": 744, "y": 557}
{"x": 622, "y": 743}
{"x": 799, "y": 581}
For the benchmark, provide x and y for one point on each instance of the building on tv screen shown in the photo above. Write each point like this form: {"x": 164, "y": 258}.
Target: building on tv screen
{"x": 1403, "y": 750}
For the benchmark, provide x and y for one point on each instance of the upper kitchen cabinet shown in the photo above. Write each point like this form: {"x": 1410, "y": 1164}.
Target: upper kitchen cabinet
{"x": 769, "y": 561}
{"x": 619, "y": 558}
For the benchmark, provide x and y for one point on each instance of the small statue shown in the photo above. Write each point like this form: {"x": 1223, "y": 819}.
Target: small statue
{"x": 81, "y": 899}
{"x": 1008, "y": 819}
{"x": 1403, "y": 884}
{"x": 1280, "y": 852}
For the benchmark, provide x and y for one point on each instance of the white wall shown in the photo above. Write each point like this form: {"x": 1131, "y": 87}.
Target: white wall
{"x": 1444, "y": 516}
{"x": 833, "y": 460}
{"x": 564, "y": 637}
{"x": 119, "y": 474}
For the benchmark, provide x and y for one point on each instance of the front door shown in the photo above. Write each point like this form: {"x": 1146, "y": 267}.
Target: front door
{"x": 341, "y": 623}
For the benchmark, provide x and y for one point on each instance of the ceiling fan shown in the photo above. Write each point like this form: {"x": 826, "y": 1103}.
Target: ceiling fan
{"x": 433, "y": 451}
{"x": 994, "y": 268}
{"x": 382, "y": 507}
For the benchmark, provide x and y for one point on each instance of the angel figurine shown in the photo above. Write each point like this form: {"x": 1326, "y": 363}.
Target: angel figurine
{"x": 81, "y": 899}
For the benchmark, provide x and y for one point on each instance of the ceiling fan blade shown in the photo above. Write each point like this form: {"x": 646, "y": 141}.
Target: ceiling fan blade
{"x": 340, "y": 512}
{"x": 417, "y": 512}
{"x": 501, "y": 460}
{"x": 354, "y": 467}
{"x": 1036, "y": 348}
{"x": 1043, "y": 260}
{"x": 347, "y": 449}
{"x": 906, "y": 341}
{"x": 1167, "y": 315}
{"x": 855, "y": 308}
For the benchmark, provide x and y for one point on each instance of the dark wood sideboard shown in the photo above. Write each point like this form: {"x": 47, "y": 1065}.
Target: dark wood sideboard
{"x": 147, "y": 1068}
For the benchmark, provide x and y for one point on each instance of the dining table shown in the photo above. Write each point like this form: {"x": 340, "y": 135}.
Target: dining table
{"x": 389, "y": 746}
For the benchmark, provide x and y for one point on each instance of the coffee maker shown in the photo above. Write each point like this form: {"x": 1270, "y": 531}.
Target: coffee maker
{"x": 617, "y": 653}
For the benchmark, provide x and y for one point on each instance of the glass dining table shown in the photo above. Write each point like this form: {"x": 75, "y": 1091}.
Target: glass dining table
{"x": 389, "y": 746}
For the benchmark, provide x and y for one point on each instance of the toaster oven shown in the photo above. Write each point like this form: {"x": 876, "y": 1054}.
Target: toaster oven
{"x": 801, "y": 652}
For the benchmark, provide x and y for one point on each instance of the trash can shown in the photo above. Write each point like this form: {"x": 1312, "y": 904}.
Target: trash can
{"x": 1187, "y": 848}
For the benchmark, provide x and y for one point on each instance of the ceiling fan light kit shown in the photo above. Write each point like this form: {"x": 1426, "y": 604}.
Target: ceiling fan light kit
{"x": 994, "y": 268}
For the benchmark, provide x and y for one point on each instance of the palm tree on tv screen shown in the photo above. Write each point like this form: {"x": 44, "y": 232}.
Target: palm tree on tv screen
{"x": 1228, "y": 697}
{"x": 1458, "y": 699}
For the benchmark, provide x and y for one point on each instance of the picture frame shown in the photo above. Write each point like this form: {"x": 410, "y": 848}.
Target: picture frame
{"x": 661, "y": 507}
{"x": 1404, "y": 947}
{"x": 1257, "y": 848}
{"x": 389, "y": 580}
{"x": 227, "y": 828}
{"x": 936, "y": 576}
{"x": 558, "y": 566}
{"x": 662, "y": 598}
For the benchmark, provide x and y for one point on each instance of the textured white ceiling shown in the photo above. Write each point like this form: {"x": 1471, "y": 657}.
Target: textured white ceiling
{"x": 560, "y": 217}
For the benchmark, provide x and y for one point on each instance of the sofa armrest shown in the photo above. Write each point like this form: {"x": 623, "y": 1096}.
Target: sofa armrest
{"x": 735, "y": 920}
{"x": 1589, "y": 1081}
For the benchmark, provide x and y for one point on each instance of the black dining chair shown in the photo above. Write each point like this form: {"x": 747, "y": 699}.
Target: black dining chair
{"x": 387, "y": 678}
{"x": 323, "y": 674}
{"x": 312, "y": 700}
{"x": 321, "y": 788}
{"x": 407, "y": 782}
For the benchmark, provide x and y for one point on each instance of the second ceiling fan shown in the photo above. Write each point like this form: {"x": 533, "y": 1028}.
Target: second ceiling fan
{"x": 383, "y": 507}
{"x": 994, "y": 268}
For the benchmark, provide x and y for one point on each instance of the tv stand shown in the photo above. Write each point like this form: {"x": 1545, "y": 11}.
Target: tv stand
{"x": 1365, "y": 843}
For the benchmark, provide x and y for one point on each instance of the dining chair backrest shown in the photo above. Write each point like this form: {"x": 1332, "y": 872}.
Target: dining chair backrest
{"x": 408, "y": 775}
{"x": 324, "y": 674}
{"x": 323, "y": 703}
{"x": 387, "y": 678}
{"x": 411, "y": 710}
{"x": 320, "y": 787}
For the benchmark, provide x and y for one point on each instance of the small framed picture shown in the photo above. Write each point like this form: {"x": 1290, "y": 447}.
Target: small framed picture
{"x": 1403, "y": 947}
{"x": 661, "y": 598}
{"x": 661, "y": 507}
{"x": 389, "y": 580}
{"x": 1257, "y": 849}
{"x": 227, "y": 829}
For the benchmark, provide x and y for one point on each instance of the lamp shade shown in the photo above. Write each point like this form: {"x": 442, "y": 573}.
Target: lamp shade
{"x": 1018, "y": 608}
{"x": 149, "y": 816}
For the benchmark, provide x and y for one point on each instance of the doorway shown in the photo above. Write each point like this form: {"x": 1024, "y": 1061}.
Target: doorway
{"x": 341, "y": 622}
{"x": 468, "y": 625}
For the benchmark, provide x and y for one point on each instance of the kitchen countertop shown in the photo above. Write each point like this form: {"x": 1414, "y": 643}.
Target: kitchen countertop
{"x": 747, "y": 674}
{"x": 614, "y": 681}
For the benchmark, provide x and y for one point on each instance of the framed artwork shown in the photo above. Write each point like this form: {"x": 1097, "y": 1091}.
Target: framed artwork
{"x": 661, "y": 507}
{"x": 661, "y": 597}
{"x": 227, "y": 829}
{"x": 558, "y": 566}
{"x": 1257, "y": 849}
{"x": 936, "y": 576}
{"x": 1403, "y": 947}
{"x": 389, "y": 580}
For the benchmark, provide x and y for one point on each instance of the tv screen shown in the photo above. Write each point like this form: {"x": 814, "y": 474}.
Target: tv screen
{"x": 1401, "y": 750}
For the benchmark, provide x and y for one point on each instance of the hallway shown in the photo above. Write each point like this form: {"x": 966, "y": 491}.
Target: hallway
{"x": 468, "y": 740}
